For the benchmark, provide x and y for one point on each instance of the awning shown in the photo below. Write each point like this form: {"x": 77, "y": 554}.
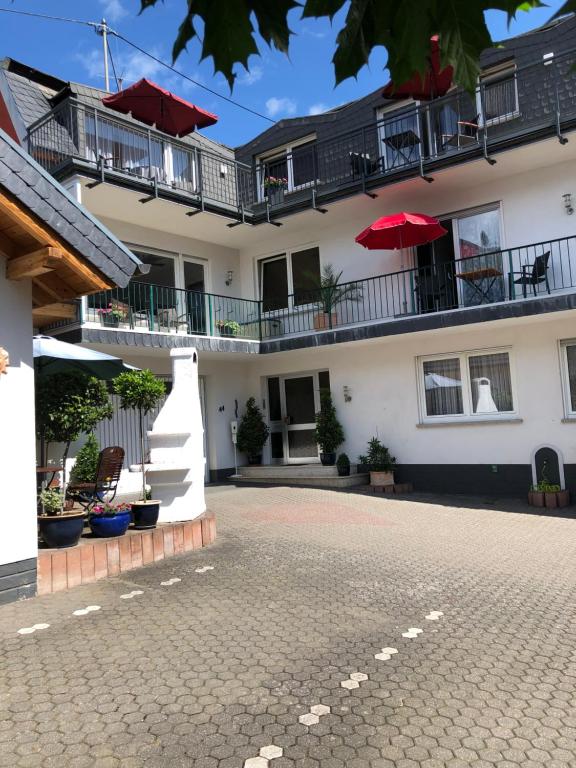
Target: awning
{"x": 154, "y": 105}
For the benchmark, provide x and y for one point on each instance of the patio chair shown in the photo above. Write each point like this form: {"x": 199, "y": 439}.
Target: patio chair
{"x": 362, "y": 165}
{"x": 466, "y": 134}
{"x": 531, "y": 274}
{"x": 104, "y": 487}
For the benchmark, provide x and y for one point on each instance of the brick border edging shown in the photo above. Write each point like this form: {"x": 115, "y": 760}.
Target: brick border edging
{"x": 97, "y": 559}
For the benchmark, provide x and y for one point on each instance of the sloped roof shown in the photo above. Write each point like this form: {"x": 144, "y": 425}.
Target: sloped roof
{"x": 29, "y": 184}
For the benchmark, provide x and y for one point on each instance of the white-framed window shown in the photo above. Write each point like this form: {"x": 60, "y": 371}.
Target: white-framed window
{"x": 568, "y": 371}
{"x": 476, "y": 385}
{"x": 289, "y": 279}
{"x": 497, "y": 95}
{"x": 294, "y": 163}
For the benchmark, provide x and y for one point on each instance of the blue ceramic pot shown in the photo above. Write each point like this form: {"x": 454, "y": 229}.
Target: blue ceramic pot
{"x": 107, "y": 526}
{"x": 61, "y": 530}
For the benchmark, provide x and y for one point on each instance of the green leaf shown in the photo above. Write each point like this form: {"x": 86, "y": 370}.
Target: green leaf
{"x": 319, "y": 8}
{"x": 272, "y": 21}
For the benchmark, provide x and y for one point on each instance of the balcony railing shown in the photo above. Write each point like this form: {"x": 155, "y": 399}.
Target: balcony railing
{"x": 404, "y": 141}
{"x": 75, "y": 131}
{"x": 156, "y": 308}
{"x": 530, "y": 271}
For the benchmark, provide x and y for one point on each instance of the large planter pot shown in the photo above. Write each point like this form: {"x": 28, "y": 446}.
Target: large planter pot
{"x": 381, "y": 478}
{"x": 549, "y": 499}
{"x": 107, "y": 526}
{"x": 255, "y": 461}
{"x": 227, "y": 333}
{"x": 145, "y": 514}
{"x": 535, "y": 498}
{"x": 61, "y": 530}
{"x": 323, "y": 320}
{"x": 328, "y": 459}
{"x": 344, "y": 471}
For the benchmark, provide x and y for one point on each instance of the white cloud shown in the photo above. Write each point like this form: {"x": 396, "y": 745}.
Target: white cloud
{"x": 113, "y": 10}
{"x": 276, "y": 107}
{"x": 253, "y": 75}
{"x": 317, "y": 109}
{"x": 313, "y": 33}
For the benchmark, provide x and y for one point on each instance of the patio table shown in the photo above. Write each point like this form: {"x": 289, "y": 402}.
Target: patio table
{"x": 474, "y": 278}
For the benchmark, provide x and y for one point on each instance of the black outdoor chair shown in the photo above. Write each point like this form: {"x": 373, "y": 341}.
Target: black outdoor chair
{"x": 361, "y": 164}
{"x": 531, "y": 274}
{"x": 104, "y": 488}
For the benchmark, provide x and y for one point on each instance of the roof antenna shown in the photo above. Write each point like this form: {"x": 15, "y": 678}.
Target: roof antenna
{"x": 102, "y": 30}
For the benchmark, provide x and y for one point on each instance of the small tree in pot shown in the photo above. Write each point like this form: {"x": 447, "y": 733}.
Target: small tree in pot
{"x": 329, "y": 294}
{"x": 343, "y": 464}
{"x": 252, "y": 433}
{"x": 67, "y": 406}
{"x": 86, "y": 464}
{"x": 329, "y": 432}
{"x": 141, "y": 391}
{"x": 380, "y": 463}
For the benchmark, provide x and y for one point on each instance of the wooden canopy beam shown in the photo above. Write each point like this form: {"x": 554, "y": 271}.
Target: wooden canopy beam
{"x": 59, "y": 310}
{"x": 93, "y": 279}
{"x": 33, "y": 264}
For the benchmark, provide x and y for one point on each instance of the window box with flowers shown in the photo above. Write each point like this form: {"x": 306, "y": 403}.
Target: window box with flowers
{"x": 107, "y": 520}
{"x": 274, "y": 188}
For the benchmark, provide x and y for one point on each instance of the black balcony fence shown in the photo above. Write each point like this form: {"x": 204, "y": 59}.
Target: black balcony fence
{"x": 529, "y": 271}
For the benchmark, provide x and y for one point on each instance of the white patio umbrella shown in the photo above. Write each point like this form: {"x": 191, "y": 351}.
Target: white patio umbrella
{"x": 54, "y": 356}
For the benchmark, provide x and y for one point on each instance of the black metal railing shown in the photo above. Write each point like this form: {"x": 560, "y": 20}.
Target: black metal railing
{"x": 76, "y": 131}
{"x": 534, "y": 270}
{"x": 486, "y": 278}
{"x": 406, "y": 140}
{"x": 157, "y": 308}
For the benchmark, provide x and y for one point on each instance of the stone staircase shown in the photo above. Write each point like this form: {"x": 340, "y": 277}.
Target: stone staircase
{"x": 299, "y": 474}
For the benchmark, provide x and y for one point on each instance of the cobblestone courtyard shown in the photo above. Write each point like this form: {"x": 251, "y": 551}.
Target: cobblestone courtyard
{"x": 322, "y": 629}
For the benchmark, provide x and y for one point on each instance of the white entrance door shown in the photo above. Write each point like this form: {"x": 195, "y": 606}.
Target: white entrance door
{"x": 293, "y": 404}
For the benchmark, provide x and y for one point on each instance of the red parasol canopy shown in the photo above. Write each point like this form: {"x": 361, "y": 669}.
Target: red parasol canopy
{"x": 401, "y": 230}
{"x": 154, "y": 105}
{"x": 436, "y": 81}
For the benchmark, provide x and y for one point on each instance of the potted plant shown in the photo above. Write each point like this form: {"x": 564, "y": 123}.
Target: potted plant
{"x": 328, "y": 294}
{"x": 343, "y": 465}
{"x": 111, "y": 315}
{"x": 228, "y": 327}
{"x": 252, "y": 432}
{"x": 274, "y": 188}
{"x": 67, "y": 406}
{"x": 380, "y": 463}
{"x": 109, "y": 519}
{"x": 329, "y": 432}
{"x": 56, "y": 528}
{"x": 141, "y": 391}
{"x": 86, "y": 464}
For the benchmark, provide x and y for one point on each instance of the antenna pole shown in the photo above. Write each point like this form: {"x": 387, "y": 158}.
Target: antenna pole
{"x": 103, "y": 30}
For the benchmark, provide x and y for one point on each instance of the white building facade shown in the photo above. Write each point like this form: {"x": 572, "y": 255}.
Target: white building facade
{"x": 460, "y": 356}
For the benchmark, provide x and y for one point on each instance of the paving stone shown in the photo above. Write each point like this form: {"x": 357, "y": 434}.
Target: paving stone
{"x": 300, "y": 594}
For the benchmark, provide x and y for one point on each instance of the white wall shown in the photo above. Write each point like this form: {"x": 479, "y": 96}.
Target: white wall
{"x": 218, "y": 259}
{"x": 18, "y": 537}
{"x": 382, "y": 378}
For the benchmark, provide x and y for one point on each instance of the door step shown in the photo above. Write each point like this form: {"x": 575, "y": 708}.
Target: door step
{"x": 308, "y": 474}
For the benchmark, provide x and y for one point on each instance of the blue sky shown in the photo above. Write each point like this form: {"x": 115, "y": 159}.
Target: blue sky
{"x": 275, "y": 86}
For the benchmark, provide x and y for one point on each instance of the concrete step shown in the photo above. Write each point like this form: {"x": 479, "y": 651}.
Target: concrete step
{"x": 287, "y": 470}
{"x": 321, "y": 481}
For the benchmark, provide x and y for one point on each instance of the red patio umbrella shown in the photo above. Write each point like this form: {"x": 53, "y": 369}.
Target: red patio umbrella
{"x": 154, "y": 105}
{"x": 435, "y": 82}
{"x": 400, "y": 230}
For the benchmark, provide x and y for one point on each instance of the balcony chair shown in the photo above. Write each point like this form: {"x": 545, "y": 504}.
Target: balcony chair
{"x": 466, "y": 134}
{"x": 104, "y": 487}
{"x": 362, "y": 165}
{"x": 531, "y": 274}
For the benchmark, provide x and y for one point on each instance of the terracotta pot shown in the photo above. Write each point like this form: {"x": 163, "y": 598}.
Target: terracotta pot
{"x": 535, "y": 498}
{"x": 381, "y": 478}
{"x": 563, "y": 498}
{"x": 322, "y": 321}
{"x": 550, "y": 500}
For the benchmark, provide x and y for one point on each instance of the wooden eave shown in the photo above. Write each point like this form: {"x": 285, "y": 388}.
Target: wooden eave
{"x": 33, "y": 251}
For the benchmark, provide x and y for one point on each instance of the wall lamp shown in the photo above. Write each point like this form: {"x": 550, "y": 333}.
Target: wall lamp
{"x": 568, "y": 204}
{"x": 229, "y": 276}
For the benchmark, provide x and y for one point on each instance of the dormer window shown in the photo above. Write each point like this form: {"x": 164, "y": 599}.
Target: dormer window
{"x": 498, "y": 94}
{"x": 288, "y": 168}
